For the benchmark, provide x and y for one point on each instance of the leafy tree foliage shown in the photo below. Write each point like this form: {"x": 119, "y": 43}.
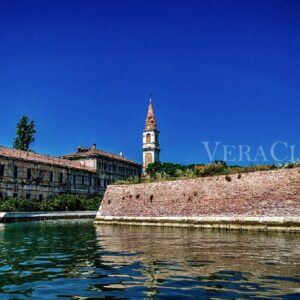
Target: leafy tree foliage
{"x": 25, "y": 134}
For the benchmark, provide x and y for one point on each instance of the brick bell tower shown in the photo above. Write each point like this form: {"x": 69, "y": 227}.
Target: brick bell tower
{"x": 150, "y": 139}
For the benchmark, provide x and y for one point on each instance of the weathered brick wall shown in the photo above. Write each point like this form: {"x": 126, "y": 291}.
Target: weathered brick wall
{"x": 270, "y": 193}
{"x": 39, "y": 185}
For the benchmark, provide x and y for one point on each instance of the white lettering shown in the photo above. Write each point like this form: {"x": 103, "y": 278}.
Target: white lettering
{"x": 228, "y": 152}
{"x": 244, "y": 150}
{"x": 211, "y": 154}
{"x": 273, "y": 148}
{"x": 260, "y": 152}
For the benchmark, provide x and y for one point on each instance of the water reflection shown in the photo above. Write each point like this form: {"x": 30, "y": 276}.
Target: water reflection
{"x": 76, "y": 260}
{"x": 207, "y": 263}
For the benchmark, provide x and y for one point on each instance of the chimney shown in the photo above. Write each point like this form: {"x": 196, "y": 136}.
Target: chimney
{"x": 121, "y": 154}
{"x": 82, "y": 149}
{"x": 94, "y": 146}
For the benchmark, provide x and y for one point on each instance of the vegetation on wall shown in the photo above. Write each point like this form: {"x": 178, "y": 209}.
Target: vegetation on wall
{"x": 159, "y": 171}
{"x": 169, "y": 169}
{"x": 25, "y": 134}
{"x": 63, "y": 202}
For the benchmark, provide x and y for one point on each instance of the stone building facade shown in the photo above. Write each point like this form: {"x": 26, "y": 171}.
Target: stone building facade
{"x": 151, "y": 148}
{"x": 87, "y": 172}
{"x": 108, "y": 166}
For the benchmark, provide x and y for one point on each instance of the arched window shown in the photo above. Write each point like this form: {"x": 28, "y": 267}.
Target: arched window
{"x": 148, "y": 138}
{"x": 148, "y": 159}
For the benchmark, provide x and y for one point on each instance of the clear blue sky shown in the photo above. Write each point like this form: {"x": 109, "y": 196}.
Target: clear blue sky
{"x": 224, "y": 71}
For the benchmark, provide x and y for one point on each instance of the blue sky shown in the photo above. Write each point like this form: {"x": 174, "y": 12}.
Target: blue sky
{"x": 219, "y": 71}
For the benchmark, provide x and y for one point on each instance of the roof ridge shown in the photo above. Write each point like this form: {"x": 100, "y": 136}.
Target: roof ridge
{"x": 42, "y": 158}
{"x": 92, "y": 151}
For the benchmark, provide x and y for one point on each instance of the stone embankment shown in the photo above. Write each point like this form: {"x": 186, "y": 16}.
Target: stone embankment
{"x": 268, "y": 200}
{"x": 6, "y": 217}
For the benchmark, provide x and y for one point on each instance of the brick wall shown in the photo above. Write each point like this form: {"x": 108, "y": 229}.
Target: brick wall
{"x": 270, "y": 193}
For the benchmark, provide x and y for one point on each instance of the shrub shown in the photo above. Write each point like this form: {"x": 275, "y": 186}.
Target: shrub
{"x": 228, "y": 178}
{"x": 169, "y": 170}
{"x": 61, "y": 202}
{"x": 131, "y": 180}
{"x": 212, "y": 169}
{"x": 13, "y": 204}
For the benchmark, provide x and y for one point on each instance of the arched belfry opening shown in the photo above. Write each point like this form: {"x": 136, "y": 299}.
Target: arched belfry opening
{"x": 148, "y": 137}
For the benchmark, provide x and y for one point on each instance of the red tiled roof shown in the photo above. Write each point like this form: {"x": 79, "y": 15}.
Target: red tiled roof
{"x": 43, "y": 159}
{"x": 92, "y": 152}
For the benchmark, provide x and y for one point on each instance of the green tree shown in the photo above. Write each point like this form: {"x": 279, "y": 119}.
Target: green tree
{"x": 169, "y": 169}
{"x": 25, "y": 134}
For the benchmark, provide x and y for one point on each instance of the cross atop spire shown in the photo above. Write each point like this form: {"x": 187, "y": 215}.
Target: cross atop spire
{"x": 150, "y": 120}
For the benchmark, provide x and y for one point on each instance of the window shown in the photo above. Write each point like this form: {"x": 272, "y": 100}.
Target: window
{"x": 74, "y": 179}
{"x": 41, "y": 174}
{"x": 40, "y": 197}
{"x": 28, "y": 173}
{"x": 104, "y": 167}
{"x": 15, "y": 195}
{"x": 97, "y": 183}
{"x": 61, "y": 177}
{"x": 16, "y": 172}
{"x": 2, "y": 170}
{"x": 28, "y": 196}
{"x": 82, "y": 179}
{"x": 51, "y": 176}
{"x": 149, "y": 158}
{"x": 148, "y": 138}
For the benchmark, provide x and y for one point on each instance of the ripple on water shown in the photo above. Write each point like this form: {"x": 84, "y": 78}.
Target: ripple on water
{"x": 5, "y": 268}
{"x": 74, "y": 259}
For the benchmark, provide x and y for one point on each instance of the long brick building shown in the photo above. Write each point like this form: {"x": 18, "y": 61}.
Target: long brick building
{"x": 88, "y": 171}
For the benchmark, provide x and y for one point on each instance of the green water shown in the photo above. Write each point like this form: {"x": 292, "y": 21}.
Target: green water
{"x": 77, "y": 260}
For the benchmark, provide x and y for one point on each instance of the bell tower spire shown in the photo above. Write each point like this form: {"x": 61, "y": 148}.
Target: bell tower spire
{"x": 151, "y": 147}
{"x": 150, "y": 120}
